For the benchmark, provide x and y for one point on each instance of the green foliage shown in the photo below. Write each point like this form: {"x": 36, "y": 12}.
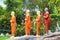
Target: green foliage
{"x": 18, "y": 5}
{"x": 5, "y": 38}
{"x": 20, "y": 30}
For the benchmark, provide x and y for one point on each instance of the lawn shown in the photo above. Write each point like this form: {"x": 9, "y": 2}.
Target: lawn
{"x": 4, "y": 38}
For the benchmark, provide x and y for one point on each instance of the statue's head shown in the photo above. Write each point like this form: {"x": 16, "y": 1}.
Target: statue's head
{"x": 12, "y": 13}
{"x": 27, "y": 11}
{"x": 38, "y": 12}
{"x": 46, "y": 9}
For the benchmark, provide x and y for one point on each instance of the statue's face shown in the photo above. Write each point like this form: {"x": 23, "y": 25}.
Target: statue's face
{"x": 38, "y": 12}
{"x": 12, "y": 13}
{"x": 27, "y": 12}
{"x": 46, "y": 9}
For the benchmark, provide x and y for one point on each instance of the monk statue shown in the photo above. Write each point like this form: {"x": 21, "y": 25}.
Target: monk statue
{"x": 46, "y": 19}
{"x": 13, "y": 23}
{"x": 38, "y": 23}
{"x": 28, "y": 23}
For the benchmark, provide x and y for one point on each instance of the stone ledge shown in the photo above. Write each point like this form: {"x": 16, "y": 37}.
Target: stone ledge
{"x": 52, "y": 36}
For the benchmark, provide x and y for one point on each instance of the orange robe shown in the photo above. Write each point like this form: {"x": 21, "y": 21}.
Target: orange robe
{"x": 13, "y": 26}
{"x": 46, "y": 20}
{"x": 38, "y": 24}
{"x": 28, "y": 25}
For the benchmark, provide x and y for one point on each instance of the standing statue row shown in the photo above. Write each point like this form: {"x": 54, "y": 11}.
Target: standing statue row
{"x": 28, "y": 23}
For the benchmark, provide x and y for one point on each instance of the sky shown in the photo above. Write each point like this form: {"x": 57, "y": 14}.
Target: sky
{"x": 2, "y": 3}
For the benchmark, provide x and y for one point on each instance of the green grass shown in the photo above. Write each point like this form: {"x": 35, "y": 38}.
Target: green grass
{"x": 4, "y": 38}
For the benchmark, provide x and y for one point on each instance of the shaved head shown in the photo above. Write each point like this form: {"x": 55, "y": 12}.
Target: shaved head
{"x": 38, "y": 11}
{"x": 12, "y": 13}
{"x": 46, "y": 9}
{"x": 27, "y": 11}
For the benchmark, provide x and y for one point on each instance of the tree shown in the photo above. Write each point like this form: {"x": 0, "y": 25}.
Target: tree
{"x": 20, "y": 6}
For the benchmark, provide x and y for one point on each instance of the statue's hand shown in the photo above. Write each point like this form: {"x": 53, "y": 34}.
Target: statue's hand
{"x": 44, "y": 16}
{"x": 10, "y": 20}
{"x": 25, "y": 19}
{"x": 36, "y": 19}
